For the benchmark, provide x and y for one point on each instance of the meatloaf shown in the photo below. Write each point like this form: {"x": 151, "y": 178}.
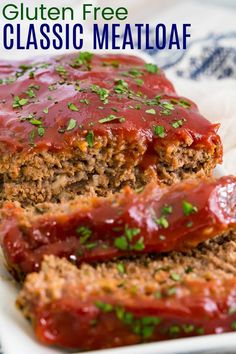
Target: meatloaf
{"x": 129, "y": 302}
{"x": 91, "y": 124}
{"x": 99, "y": 229}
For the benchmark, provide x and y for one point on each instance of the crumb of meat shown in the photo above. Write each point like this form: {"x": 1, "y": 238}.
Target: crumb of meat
{"x": 143, "y": 276}
{"x": 108, "y": 166}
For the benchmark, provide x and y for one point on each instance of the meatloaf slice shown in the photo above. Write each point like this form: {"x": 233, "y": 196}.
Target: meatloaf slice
{"x": 148, "y": 299}
{"x": 85, "y": 123}
{"x": 99, "y": 229}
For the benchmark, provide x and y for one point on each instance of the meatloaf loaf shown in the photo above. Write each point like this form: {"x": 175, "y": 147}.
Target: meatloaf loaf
{"x": 99, "y": 229}
{"x": 143, "y": 300}
{"x": 85, "y": 123}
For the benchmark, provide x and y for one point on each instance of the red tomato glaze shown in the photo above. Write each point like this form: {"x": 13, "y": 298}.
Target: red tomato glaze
{"x": 46, "y": 104}
{"x": 155, "y": 220}
{"x": 209, "y": 308}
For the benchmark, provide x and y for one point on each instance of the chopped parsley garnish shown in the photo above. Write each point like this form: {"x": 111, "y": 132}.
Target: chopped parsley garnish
{"x": 175, "y": 329}
{"x": 90, "y": 138}
{"x": 121, "y": 86}
{"x": 91, "y": 246}
{"x": 71, "y": 124}
{"x": 139, "y": 245}
{"x": 30, "y": 93}
{"x": 171, "y": 291}
{"x": 159, "y": 130}
{"x": 45, "y": 110}
{"x": 31, "y": 74}
{"x": 142, "y": 326}
{"x": 111, "y": 118}
{"x": 72, "y": 107}
{"x": 121, "y": 268}
{"x": 52, "y": 87}
{"x": 113, "y": 63}
{"x": 104, "y": 307}
{"x": 188, "y": 328}
{"x": 167, "y": 209}
{"x": 41, "y": 131}
{"x": 19, "y": 102}
{"x": 178, "y": 123}
{"x": 31, "y": 137}
{"x": 85, "y": 233}
{"x": 233, "y": 325}
{"x": 162, "y": 221}
{"x": 167, "y": 107}
{"x": 175, "y": 276}
{"x": 84, "y": 58}
{"x": 133, "y": 73}
{"x": 35, "y": 121}
{"x": 85, "y": 101}
{"x": 102, "y": 92}
{"x": 61, "y": 70}
{"x": 200, "y": 330}
{"x": 189, "y": 270}
{"x": 188, "y": 208}
{"x": 189, "y": 224}
{"x": 184, "y": 103}
{"x": 151, "y": 111}
{"x": 139, "y": 82}
{"x": 123, "y": 242}
{"x": 151, "y": 68}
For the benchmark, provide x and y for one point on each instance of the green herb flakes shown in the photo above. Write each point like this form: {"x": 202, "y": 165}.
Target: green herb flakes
{"x": 162, "y": 221}
{"x": 45, "y": 110}
{"x": 102, "y": 92}
{"x": 188, "y": 208}
{"x": 184, "y": 103}
{"x": 159, "y": 130}
{"x": 104, "y": 307}
{"x": 84, "y": 232}
{"x": 233, "y": 325}
{"x": 61, "y": 71}
{"x": 121, "y": 268}
{"x": 41, "y": 131}
{"x": 151, "y": 68}
{"x": 178, "y": 123}
{"x": 71, "y": 124}
{"x": 121, "y": 86}
{"x": 151, "y": 111}
{"x": 121, "y": 243}
{"x": 175, "y": 276}
{"x": 139, "y": 82}
{"x": 111, "y": 118}
{"x": 84, "y": 58}
{"x": 90, "y": 138}
{"x": 19, "y": 102}
{"x": 73, "y": 107}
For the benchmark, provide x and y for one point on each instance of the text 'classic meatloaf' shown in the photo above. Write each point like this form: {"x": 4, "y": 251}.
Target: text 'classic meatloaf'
{"x": 85, "y": 123}
{"x": 124, "y": 303}
{"x": 98, "y": 229}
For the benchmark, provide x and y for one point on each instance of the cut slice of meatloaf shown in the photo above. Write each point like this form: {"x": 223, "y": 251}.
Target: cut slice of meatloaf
{"x": 99, "y": 229}
{"x": 85, "y": 123}
{"x": 148, "y": 299}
